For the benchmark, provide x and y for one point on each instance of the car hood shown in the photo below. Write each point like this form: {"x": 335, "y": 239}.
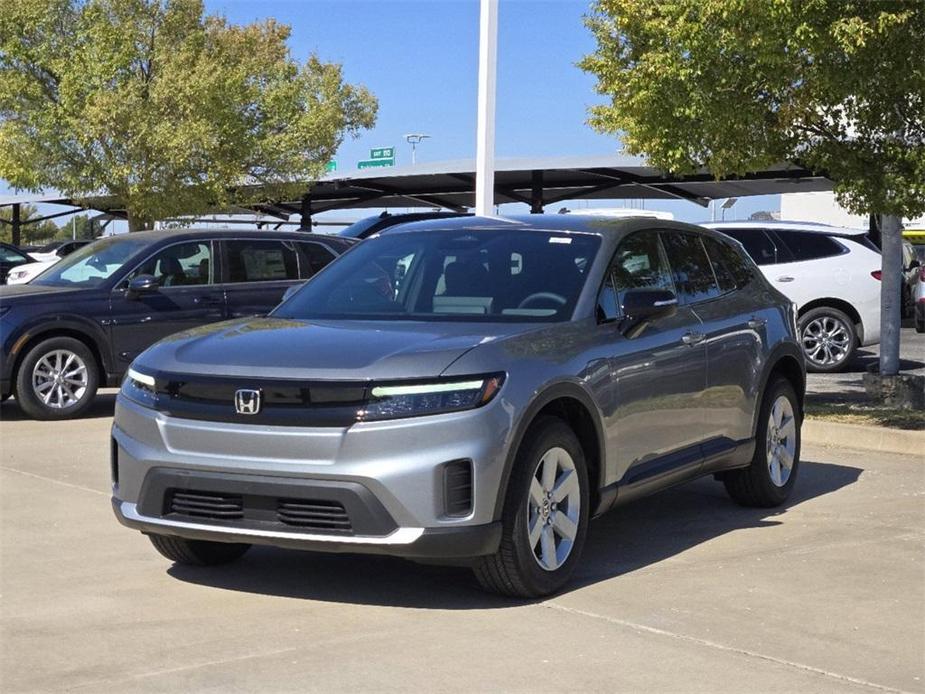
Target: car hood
{"x": 30, "y": 293}
{"x": 322, "y": 350}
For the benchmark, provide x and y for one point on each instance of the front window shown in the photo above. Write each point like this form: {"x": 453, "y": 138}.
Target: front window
{"x": 93, "y": 264}
{"x": 485, "y": 275}
{"x": 180, "y": 265}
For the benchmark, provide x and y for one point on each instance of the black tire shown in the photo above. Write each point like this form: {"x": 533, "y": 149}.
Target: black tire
{"x": 823, "y": 313}
{"x": 753, "y": 486}
{"x": 919, "y": 324}
{"x": 4, "y": 397}
{"x": 515, "y": 570}
{"x": 30, "y": 401}
{"x": 197, "y": 552}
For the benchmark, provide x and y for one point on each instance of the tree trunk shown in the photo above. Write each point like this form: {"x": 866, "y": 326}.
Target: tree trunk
{"x": 137, "y": 223}
{"x": 891, "y": 261}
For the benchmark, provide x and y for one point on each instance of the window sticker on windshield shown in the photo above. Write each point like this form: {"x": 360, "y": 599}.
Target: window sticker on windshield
{"x": 559, "y": 239}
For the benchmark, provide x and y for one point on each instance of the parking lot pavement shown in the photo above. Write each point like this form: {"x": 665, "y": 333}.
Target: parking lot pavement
{"x": 848, "y": 384}
{"x": 680, "y": 592}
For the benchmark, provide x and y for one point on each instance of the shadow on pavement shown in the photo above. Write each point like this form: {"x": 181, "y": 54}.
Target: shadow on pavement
{"x": 104, "y": 405}
{"x": 863, "y": 359}
{"x": 620, "y": 542}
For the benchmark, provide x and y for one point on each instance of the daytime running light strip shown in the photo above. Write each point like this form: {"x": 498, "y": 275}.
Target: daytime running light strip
{"x": 392, "y": 391}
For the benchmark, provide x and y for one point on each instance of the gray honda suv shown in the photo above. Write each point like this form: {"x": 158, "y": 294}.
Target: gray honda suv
{"x": 467, "y": 390}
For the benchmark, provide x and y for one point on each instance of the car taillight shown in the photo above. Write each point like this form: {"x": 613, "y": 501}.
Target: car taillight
{"x": 876, "y": 274}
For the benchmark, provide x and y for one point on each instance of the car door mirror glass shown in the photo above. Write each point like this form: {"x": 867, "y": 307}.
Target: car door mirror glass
{"x": 641, "y": 306}
{"x": 143, "y": 284}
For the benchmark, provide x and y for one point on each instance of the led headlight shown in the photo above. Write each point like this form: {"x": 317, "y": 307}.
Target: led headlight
{"x": 139, "y": 387}
{"x": 394, "y": 401}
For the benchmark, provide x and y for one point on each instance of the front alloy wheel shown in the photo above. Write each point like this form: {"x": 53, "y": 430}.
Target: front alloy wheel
{"x": 57, "y": 379}
{"x": 545, "y": 515}
{"x": 554, "y": 509}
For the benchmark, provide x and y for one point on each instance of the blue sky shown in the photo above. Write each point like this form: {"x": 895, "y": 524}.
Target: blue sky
{"x": 420, "y": 59}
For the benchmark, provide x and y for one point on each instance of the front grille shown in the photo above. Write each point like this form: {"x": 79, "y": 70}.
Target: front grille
{"x": 319, "y": 515}
{"x": 457, "y": 488}
{"x": 206, "y": 505}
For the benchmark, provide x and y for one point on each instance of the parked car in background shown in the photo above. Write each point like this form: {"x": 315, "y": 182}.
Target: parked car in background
{"x": 81, "y": 323}
{"x": 516, "y": 378}
{"x": 918, "y": 295}
{"x": 831, "y": 273}
{"x": 56, "y": 250}
{"x": 371, "y": 226}
{"x": 911, "y": 271}
{"x": 29, "y": 271}
{"x": 11, "y": 257}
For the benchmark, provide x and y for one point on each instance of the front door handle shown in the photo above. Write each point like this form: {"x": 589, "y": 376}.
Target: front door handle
{"x": 692, "y": 338}
{"x": 785, "y": 278}
{"x": 756, "y": 323}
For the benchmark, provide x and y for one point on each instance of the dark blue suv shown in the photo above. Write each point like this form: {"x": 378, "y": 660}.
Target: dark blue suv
{"x": 81, "y": 323}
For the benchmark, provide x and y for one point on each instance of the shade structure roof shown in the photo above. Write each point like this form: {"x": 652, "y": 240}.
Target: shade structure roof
{"x": 546, "y": 181}
{"x": 536, "y": 181}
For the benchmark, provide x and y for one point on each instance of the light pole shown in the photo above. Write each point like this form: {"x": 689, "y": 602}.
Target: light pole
{"x": 414, "y": 139}
{"x": 485, "y": 128}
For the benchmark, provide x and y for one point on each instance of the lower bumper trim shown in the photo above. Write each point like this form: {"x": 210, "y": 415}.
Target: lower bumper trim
{"x": 413, "y": 543}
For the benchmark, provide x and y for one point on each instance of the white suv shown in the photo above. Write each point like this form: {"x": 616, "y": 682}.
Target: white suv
{"x": 831, "y": 273}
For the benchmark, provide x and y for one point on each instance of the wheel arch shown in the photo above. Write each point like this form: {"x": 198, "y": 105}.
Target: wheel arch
{"x": 572, "y": 404}
{"x": 839, "y": 304}
{"x": 786, "y": 361}
{"x": 29, "y": 340}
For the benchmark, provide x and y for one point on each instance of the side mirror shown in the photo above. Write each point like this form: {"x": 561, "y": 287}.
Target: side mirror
{"x": 643, "y": 305}
{"x": 142, "y": 284}
{"x": 292, "y": 290}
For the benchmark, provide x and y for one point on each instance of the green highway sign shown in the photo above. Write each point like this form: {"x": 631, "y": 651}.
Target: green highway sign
{"x": 372, "y": 163}
{"x": 331, "y": 166}
{"x": 382, "y": 153}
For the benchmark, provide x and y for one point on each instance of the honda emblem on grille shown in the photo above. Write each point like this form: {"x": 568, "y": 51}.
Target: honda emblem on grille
{"x": 247, "y": 401}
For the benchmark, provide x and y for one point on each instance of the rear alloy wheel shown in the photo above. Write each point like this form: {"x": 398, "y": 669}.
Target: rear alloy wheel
{"x": 828, "y": 338}
{"x": 545, "y": 515}
{"x": 773, "y": 470}
{"x": 57, "y": 379}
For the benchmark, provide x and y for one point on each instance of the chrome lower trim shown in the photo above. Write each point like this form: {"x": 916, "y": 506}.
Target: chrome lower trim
{"x": 401, "y": 536}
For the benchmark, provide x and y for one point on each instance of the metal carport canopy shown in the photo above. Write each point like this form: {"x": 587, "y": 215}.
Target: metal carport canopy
{"x": 542, "y": 181}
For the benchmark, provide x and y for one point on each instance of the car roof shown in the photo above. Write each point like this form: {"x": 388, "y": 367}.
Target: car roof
{"x": 192, "y": 233}
{"x": 813, "y": 227}
{"x": 566, "y": 223}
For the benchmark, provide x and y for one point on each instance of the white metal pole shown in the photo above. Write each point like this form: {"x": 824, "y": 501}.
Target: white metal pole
{"x": 485, "y": 144}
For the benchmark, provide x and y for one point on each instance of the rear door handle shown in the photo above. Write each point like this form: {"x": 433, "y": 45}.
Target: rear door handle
{"x": 785, "y": 278}
{"x": 208, "y": 300}
{"x": 756, "y": 323}
{"x": 692, "y": 338}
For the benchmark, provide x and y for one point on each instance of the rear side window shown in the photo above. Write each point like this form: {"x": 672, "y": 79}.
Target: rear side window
{"x": 805, "y": 245}
{"x": 690, "y": 267}
{"x": 730, "y": 269}
{"x": 261, "y": 261}
{"x": 759, "y": 246}
{"x": 312, "y": 257}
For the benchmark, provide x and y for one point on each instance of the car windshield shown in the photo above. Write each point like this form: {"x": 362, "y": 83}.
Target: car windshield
{"x": 451, "y": 275}
{"x": 92, "y": 264}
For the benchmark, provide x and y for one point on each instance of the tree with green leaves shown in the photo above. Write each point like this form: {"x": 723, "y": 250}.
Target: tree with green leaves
{"x": 162, "y": 106}
{"x": 738, "y": 85}
{"x": 32, "y": 231}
